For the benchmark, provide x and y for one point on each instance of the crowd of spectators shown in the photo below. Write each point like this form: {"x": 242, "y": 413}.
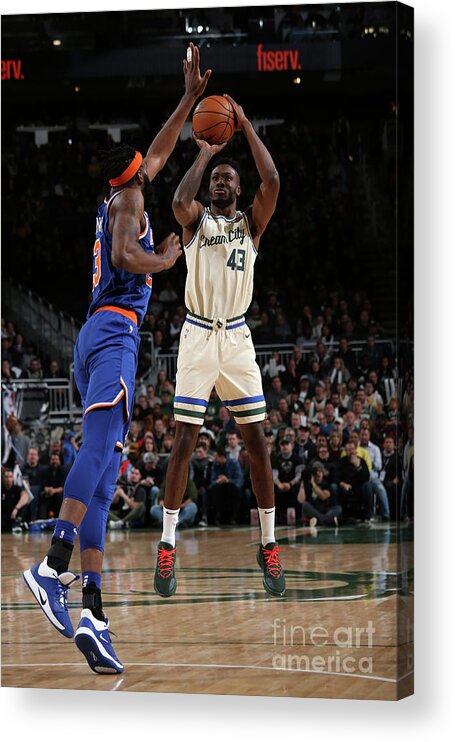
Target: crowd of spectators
{"x": 339, "y": 425}
{"x": 339, "y": 431}
{"x": 22, "y": 359}
{"x": 60, "y": 184}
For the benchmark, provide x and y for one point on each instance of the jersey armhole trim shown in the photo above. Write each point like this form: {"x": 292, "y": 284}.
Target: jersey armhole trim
{"x": 201, "y": 221}
{"x": 249, "y": 231}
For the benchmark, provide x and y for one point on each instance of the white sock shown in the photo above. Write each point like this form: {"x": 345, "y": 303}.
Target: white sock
{"x": 170, "y": 520}
{"x": 267, "y": 520}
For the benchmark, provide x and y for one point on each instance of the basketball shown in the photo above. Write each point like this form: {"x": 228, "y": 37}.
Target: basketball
{"x": 214, "y": 120}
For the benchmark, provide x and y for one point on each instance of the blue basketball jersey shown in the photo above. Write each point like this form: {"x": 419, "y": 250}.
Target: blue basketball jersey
{"x": 113, "y": 286}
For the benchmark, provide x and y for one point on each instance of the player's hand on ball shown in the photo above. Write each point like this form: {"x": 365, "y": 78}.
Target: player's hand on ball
{"x": 240, "y": 117}
{"x": 211, "y": 149}
{"x": 194, "y": 83}
{"x": 170, "y": 248}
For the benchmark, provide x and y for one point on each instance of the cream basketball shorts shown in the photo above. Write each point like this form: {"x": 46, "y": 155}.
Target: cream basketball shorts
{"x": 217, "y": 353}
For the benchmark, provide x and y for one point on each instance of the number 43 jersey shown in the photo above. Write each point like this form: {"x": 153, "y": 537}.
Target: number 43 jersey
{"x": 113, "y": 286}
{"x": 220, "y": 260}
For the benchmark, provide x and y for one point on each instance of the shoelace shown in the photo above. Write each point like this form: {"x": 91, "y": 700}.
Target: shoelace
{"x": 63, "y": 590}
{"x": 272, "y": 561}
{"x": 165, "y": 562}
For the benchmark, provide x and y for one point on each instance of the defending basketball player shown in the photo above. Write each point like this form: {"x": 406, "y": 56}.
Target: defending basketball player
{"x": 216, "y": 350}
{"x": 105, "y": 362}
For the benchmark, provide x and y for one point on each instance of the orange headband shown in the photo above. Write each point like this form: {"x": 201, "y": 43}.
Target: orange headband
{"x": 129, "y": 173}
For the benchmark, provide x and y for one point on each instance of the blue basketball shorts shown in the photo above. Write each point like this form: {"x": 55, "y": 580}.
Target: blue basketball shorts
{"x": 105, "y": 364}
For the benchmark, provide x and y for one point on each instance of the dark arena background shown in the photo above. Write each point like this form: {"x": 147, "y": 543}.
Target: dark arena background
{"x": 329, "y": 88}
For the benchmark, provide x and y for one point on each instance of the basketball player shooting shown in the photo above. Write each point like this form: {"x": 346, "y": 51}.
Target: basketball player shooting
{"x": 105, "y": 364}
{"x": 216, "y": 349}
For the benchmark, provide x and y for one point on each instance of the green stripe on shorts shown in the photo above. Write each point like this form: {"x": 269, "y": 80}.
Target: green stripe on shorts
{"x": 188, "y": 413}
{"x": 249, "y": 413}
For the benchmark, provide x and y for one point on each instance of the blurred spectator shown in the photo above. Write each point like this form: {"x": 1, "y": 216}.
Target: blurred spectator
{"x": 347, "y": 355}
{"x": 224, "y": 494}
{"x": 52, "y": 494}
{"x": 338, "y": 373}
{"x": 34, "y": 370}
{"x": 175, "y": 329}
{"x": 361, "y": 452}
{"x": 287, "y": 470}
{"x": 167, "y": 404}
{"x": 390, "y": 475}
{"x": 161, "y": 383}
{"x": 14, "y": 501}
{"x": 290, "y": 378}
{"x": 305, "y": 447}
{"x": 338, "y": 408}
{"x": 168, "y": 294}
{"x": 223, "y": 425}
{"x": 317, "y": 500}
{"x": 355, "y": 493}
{"x": 273, "y": 368}
{"x": 159, "y": 431}
{"x": 152, "y": 475}
{"x": 9, "y": 374}
{"x": 298, "y": 359}
{"x": 253, "y": 318}
{"x": 7, "y": 353}
{"x": 350, "y": 425}
{"x": 304, "y": 388}
{"x": 21, "y": 443}
{"x": 54, "y": 371}
{"x": 33, "y": 473}
{"x": 152, "y": 399}
{"x": 329, "y": 412}
{"x": 379, "y": 490}
{"x": 284, "y": 411}
{"x": 200, "y": 471}
{"x": 319, "y": 398}
{"x": 18, "y": 351}
{"x": 374, "y": 401}
{"x": 128, "y": 504}
{"x": 334, "y": 445}
{"x": 233, "y": 446}
{"x": 208, "y": 437}
{"x": 373, "y": 353}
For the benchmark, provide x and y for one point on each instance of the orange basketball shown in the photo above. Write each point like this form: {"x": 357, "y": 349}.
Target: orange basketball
{"x": 214, "y": 120}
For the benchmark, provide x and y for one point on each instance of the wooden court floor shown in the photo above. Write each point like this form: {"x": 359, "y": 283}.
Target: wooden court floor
{"x": 343, "y": 630}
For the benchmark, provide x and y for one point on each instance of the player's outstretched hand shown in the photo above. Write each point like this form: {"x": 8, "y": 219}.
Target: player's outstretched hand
{"x": 211, "y": 149}
{"x": 240, "y": 117}
{"x": 171, "y": 249}
{"x": 194, "y": 83}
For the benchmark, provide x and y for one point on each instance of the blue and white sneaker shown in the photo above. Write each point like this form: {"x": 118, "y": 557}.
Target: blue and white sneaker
{"x": 94, "y": 641}
{"x": 50, "y": 591}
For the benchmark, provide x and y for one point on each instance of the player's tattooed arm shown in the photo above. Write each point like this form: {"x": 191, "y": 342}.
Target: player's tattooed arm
{"x": 186, "y": 209}
{"x": 166, "y": 139}
{"x": 125, "y": 226}
{"x": 264, "y": 203}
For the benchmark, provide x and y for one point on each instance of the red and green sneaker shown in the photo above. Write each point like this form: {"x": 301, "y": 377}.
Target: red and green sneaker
{"x": 165, "y": 582}
{"x": 274, "y": 581}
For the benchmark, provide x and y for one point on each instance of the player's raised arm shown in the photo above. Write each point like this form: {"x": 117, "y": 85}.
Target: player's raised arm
{"x": 186, "y": 209}
{"x": 166, "y": 139}
{"x": 264, "y": 203}
{"x": 125, "y": 226}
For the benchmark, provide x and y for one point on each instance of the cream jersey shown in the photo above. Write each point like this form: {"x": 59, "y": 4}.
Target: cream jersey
{"x": 220, "y": 260}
